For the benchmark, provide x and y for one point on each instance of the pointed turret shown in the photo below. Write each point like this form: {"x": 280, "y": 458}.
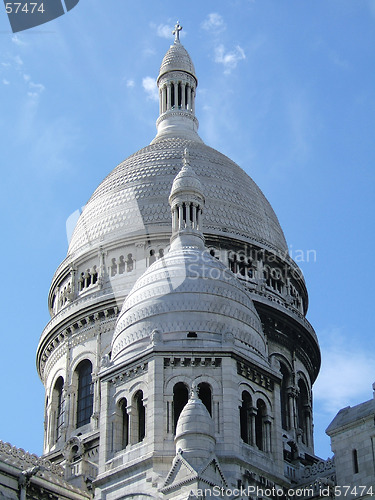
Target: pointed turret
{"x": 195, "y": 432}
{"x": 187, "y": 201}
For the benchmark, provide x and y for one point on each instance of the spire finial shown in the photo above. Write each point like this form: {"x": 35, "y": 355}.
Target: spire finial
{"x": 176, "y": 32}
{"x": 194, "y": 391}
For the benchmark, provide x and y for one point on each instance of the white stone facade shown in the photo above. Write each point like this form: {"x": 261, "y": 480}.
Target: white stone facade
{"x": 178, "y": 279}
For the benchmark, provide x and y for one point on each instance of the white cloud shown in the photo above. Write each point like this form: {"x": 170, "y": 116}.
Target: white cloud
{"x": 17, "y": 41}
{"x": 148, "y": 52}
{"x": 35, "y": 89}
{"x": 6, "y": 82}
{"x": 214, "y": 22}
{"x": 37, "y": 86}
{"x": 18, "y": 61}
{"x": 150, "y": 87}
{"x": 164, "y": 31}
{"x": 130, "y": 83}
{"x": 229, "y": 59}
{"x": 26, "y": 77}
{"x": 346, "y": 374}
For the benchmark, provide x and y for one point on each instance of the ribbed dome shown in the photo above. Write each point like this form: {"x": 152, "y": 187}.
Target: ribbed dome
{"x": 177, "y": 59}
{"x": 187, "y": 291}
{"x": 134, "y": 197}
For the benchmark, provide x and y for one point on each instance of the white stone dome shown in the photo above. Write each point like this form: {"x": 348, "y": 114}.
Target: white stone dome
{"x": 188, "y": 294}
{"x": 133, "y": 198}
{"x": 177, "y": 58}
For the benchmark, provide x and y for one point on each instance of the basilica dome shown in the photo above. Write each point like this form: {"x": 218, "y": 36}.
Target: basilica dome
{"x": 133, "y": 198}
{"x": 188, "y": 296}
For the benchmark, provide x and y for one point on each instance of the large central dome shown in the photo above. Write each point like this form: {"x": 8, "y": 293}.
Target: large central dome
{"x": 134, "y": 197}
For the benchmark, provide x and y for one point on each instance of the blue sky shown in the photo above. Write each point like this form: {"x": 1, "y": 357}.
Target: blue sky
{"x": 286, "y": 89}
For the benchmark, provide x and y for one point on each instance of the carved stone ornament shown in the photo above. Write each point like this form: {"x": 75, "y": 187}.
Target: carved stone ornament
{"x": 73, "y": 449}
{"x": 155, "y": 337}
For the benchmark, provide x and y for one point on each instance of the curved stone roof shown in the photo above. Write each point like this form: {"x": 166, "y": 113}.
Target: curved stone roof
{"x": 187, "y": 291}
{"x": 195, "y": 427}
{"x": 134, "y": 197}
{"x": 177, "y": 59}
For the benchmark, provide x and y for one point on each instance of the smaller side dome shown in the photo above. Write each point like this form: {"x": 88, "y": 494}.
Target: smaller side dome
{"x": 195, "y": 432}
{"x": 186, "y": 181}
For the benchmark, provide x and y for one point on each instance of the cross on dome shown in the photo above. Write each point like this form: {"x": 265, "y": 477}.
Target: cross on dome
{"x": 176, "y": 31}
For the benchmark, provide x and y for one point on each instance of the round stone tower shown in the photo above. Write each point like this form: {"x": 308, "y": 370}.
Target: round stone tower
{"x": 177, "y": 276}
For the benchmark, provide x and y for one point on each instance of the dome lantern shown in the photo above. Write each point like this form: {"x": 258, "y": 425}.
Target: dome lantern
{"x": 186, "y": 201}
{"x": 177, "y": 85}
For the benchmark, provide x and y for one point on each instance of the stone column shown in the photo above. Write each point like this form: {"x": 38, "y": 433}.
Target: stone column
{"x": 267, "y": 434}
{"x": 308, "y": 433}
{"x": 183, "y": 103}
{"x": 252, "y": 414}
{"x": 168, "y": 96}
{"x": 194, "y": 215}
{"x": 292, "y": 393}
{"x": 188, "y": 97}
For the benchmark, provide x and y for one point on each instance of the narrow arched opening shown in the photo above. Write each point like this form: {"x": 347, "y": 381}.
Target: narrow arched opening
{"x": 85, "y": 393}
{"x": 180, "y": 398}
{"x": 205, "y": 395}
{"x": 245, "y": 418}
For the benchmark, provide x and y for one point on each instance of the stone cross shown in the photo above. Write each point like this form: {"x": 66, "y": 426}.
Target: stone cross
{"x": 176, "y": 31}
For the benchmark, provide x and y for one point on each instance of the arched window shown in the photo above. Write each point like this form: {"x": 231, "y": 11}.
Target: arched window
{"x": 152, "y": 257}
{"x": 285, "y": 418}
{"x": 205, "y": 394}
{"x": 58, "y": 397}
{"x": 246, "y": 418}
{"x": 121, "y": 265}
{"x": 85, "y": 393}
{"x": 124, "y": 423}
{"x": 139, "y": 429}
{"x": 302, "y": 408}
{"x": 113, "y": 267}
{"x": 355, "y": 461}
{"x": 129, "y": 263}
{"x": 259, "y": 428}
{"x": 180, "y": 398}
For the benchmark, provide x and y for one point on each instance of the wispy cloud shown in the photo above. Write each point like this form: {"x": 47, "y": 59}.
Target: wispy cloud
{"x": 229, "y": 59}
{"x": 6, "y": 82}
{"x": 214, "y": 23}
{"x": 150, "y": 87}
{"x": 17, "y": 41}
{"x": 347, "y": 370}
{"x": 130, "y": 83}
{"x": 164, "y": 31}
{"x": 35, "y": 89}
{"x": 18, "y": 60}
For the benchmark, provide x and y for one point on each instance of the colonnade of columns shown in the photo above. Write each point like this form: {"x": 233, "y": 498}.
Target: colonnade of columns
{"x": 177, "y": 95}
{"x": 186, "y": 216}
